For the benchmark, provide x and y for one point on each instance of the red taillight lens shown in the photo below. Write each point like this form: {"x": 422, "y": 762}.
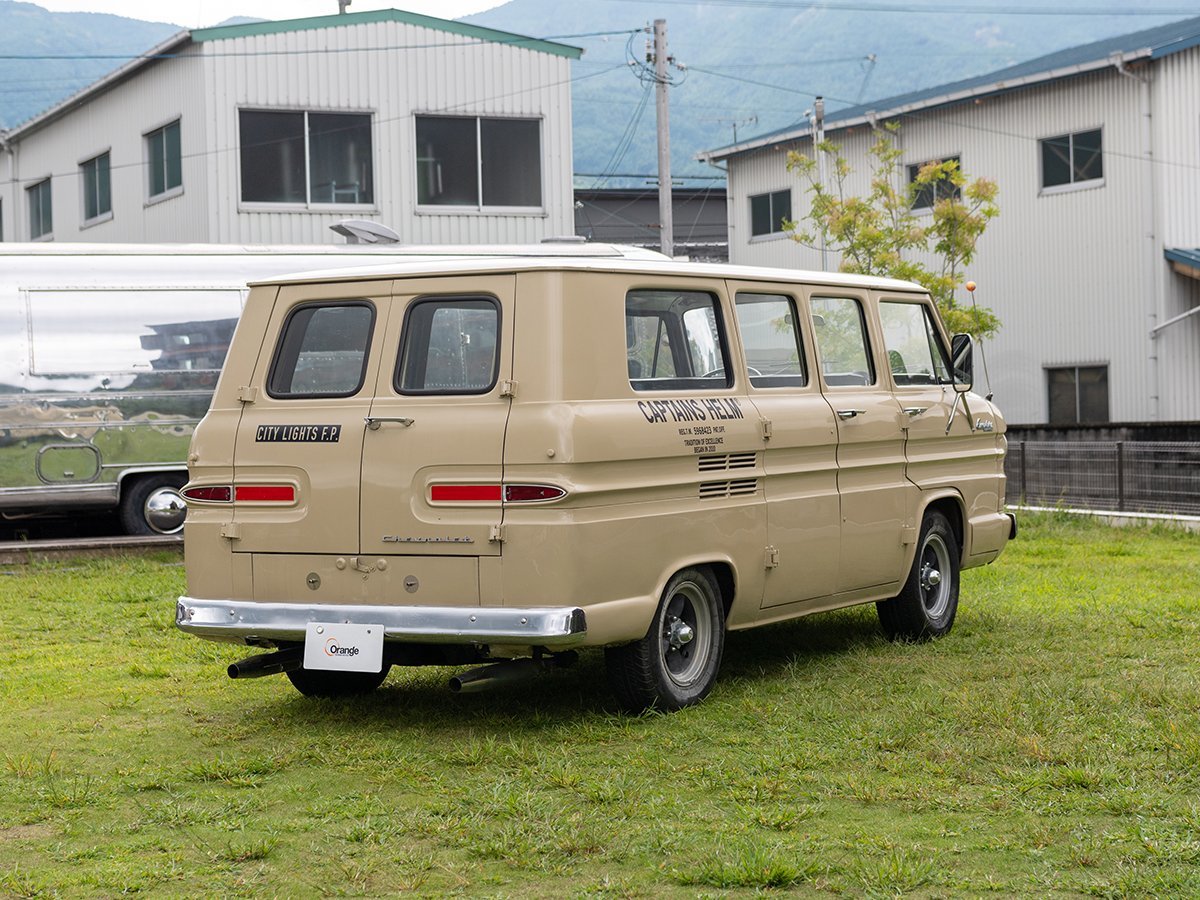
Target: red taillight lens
{"x": 532, "y": 493}
{"x": 264, "y": 493}
{"x": 465, "y": 493}
{"x": 215, "y": 494}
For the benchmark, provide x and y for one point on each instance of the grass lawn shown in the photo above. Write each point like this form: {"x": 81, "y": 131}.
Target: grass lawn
{"x": 1050, "y": 746}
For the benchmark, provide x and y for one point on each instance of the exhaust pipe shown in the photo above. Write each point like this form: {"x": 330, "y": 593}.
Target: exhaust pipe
{"x": 508, "y": 672}
{"x": 268, "y": 663}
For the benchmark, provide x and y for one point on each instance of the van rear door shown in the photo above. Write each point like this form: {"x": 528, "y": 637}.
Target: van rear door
{"x": 432, "y": 464}
{"x": 300, "y": 438}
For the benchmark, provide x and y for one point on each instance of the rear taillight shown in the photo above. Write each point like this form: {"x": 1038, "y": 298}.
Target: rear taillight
{"x": 242, "y": 493}
{"x": 213, "y": 494}
{"x": 532, "y": 493}
{"x": 264, "y": 493}
{"x": 493, "y": 493}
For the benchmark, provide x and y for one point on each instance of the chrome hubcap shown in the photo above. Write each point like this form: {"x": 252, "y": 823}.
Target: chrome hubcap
{"x": 165, "y": 510}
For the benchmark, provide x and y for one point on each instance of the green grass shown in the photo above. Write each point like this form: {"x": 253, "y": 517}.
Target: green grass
{"x": 1049, "y": 746}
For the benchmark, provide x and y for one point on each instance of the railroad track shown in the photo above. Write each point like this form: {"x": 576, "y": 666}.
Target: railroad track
{"x": 41, "y": 550}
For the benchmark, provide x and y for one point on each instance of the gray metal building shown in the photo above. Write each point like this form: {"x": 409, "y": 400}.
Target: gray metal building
{"x": 271, "y": 132}
{"x": 1091, "y": 265}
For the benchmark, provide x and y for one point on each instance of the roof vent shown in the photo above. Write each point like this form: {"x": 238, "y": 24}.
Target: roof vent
{"x": 364, "y": 231}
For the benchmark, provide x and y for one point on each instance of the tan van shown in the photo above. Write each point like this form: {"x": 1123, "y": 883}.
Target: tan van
{"x": 505, "y": 459}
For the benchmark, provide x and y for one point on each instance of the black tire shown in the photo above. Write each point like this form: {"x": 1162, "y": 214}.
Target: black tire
{"x": 142, "y": 495}
{"x": 926, "y": 605}
{"x": 319, "y": 683}
{"x": 675, "y": 664}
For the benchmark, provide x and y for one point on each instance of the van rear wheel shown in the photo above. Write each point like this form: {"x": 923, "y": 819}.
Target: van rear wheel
{"x": 676, "y": 663}
{"x": 926, "y": 605}
{"x": 319, "y": 683}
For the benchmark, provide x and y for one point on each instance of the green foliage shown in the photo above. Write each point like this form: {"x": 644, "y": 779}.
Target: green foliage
{"x": 878, "y": 234}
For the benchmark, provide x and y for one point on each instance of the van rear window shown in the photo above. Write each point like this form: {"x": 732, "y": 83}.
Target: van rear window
{"x": 323, "y": 350}
{"x": 449, "y": 346}
{"x": 674, "y": 341}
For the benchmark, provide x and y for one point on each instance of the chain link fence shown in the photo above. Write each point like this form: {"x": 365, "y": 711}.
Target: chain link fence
{"x": 1134, "y": 476}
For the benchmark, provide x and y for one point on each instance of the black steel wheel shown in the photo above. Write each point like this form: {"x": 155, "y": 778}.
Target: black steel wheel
{"x": 151, "y": 504}
{"x": 676, "y": 663}
{"x": 926, "y": 605}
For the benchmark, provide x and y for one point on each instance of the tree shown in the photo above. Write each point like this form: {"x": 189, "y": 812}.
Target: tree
{"x": 879, "y": 234}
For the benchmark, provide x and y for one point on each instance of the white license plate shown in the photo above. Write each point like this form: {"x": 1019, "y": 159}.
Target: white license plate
{"x": 343, "y": 647}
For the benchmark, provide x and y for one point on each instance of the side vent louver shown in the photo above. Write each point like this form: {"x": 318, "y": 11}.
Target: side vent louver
{"x": 727, "y": 461}
{"x": 717, "y": 490}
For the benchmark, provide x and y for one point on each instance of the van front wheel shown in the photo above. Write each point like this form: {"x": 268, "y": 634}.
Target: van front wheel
{"x": 676, "y": 663}
{"x": 926, "y": 605}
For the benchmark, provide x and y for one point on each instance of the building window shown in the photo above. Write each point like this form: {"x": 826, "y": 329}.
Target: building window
{"x": 1078, "y": 394}
{"x": 477, "y": 162}
{"x": 41, "y": 222}
{"x": 769, "y": 212}
{"x": 929, "y": 194}
{"x": 306, "y": 157}
{"x": 1071, "y": 159}
{"x": 164, "y": 160}
{"x": 97, "y": 188}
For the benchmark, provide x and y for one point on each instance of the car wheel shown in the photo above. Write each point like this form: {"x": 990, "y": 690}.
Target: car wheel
{"x": 152, "y": 505}
{"x": 319, "y": 683}
{"x": 926, "y": 605}
{"x": 676, "y": 663}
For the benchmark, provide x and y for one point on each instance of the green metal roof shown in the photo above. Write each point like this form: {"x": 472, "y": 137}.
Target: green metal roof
{"x": 226, "y": 32}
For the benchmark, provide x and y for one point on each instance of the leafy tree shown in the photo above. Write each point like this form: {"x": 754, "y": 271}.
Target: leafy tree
{"x": 878, "y": 234}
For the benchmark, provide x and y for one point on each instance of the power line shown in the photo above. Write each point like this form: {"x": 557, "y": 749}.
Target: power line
{"x": 937, "y": 9}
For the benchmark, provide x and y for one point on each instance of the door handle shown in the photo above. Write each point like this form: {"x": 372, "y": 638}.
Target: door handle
{"x": 915, "y": 410}
{"x": 373, "y": 422}
{"x": 850, "y": 413}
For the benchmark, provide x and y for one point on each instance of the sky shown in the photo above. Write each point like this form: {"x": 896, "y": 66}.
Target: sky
{"x": 204, "y": 13}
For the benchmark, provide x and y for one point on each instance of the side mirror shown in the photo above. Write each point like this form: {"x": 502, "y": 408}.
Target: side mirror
{"x": 962, "y": 352}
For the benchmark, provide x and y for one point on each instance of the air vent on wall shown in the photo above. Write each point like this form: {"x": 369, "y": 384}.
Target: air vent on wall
{"x": 717, "y": 490}
{"x": 728, "y": 461}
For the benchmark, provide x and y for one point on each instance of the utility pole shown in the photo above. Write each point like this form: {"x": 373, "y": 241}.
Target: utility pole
{"x": 665, "y": 215}
{"x": 819, "y": 120}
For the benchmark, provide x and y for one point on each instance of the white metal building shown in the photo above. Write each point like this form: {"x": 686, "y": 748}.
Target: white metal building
{"x": 1091, "y": 264}
{"x": 270, "y": 132}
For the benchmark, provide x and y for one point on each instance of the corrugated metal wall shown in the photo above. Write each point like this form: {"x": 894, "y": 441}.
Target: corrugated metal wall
{"x": 116, "y": 121}
{"x": 392, "y": 70}
{"x": 1076, "y": 276}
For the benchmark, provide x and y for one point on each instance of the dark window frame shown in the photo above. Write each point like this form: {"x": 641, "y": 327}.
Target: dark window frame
{"x": 480, "y": 176}
{"x": 801, "y": 380}
{"x": 1072, "y": 182}
{"x": 1078, "y": 418}
{"x": 171, "y": 151}
{"x": 39, "y": 198}
{"x": 97, "y": 189}
{"x": 288, "y": 346}
{"x": 679, "y": 346}
{"x": 408, "y": 329}
{"x": 774, "y": 211}
{"x": 928, "y": 196}
{"x": 306, "y": 137}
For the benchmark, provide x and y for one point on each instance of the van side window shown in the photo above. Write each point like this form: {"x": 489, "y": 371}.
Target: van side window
{"x": 914, "y": 348}
{"x": 449, "y": 346}
{"x": 322, "y": 351}
{"x": 675, "y": 340}
{"x": 771, "y": 336}
{"x": 841, "y": 333}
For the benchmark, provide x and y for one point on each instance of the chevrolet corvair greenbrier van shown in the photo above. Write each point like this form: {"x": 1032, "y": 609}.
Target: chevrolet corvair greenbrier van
{"x": 505, "y": 460}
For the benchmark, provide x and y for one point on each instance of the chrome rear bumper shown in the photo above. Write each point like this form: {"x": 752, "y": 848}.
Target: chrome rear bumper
{"x": 240, "y": 620}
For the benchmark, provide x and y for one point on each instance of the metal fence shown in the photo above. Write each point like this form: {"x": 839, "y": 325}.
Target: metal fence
{"x": 1137, "y": 476}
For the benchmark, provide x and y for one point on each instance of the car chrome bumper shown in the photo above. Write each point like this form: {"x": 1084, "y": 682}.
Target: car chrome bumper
{"x": 239, "y": 620}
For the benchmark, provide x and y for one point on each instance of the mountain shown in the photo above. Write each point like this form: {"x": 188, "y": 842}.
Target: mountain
{"x": 45, "y": 56}
{"x": 758, "y": 64}
{"x": 750, "y": 65}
